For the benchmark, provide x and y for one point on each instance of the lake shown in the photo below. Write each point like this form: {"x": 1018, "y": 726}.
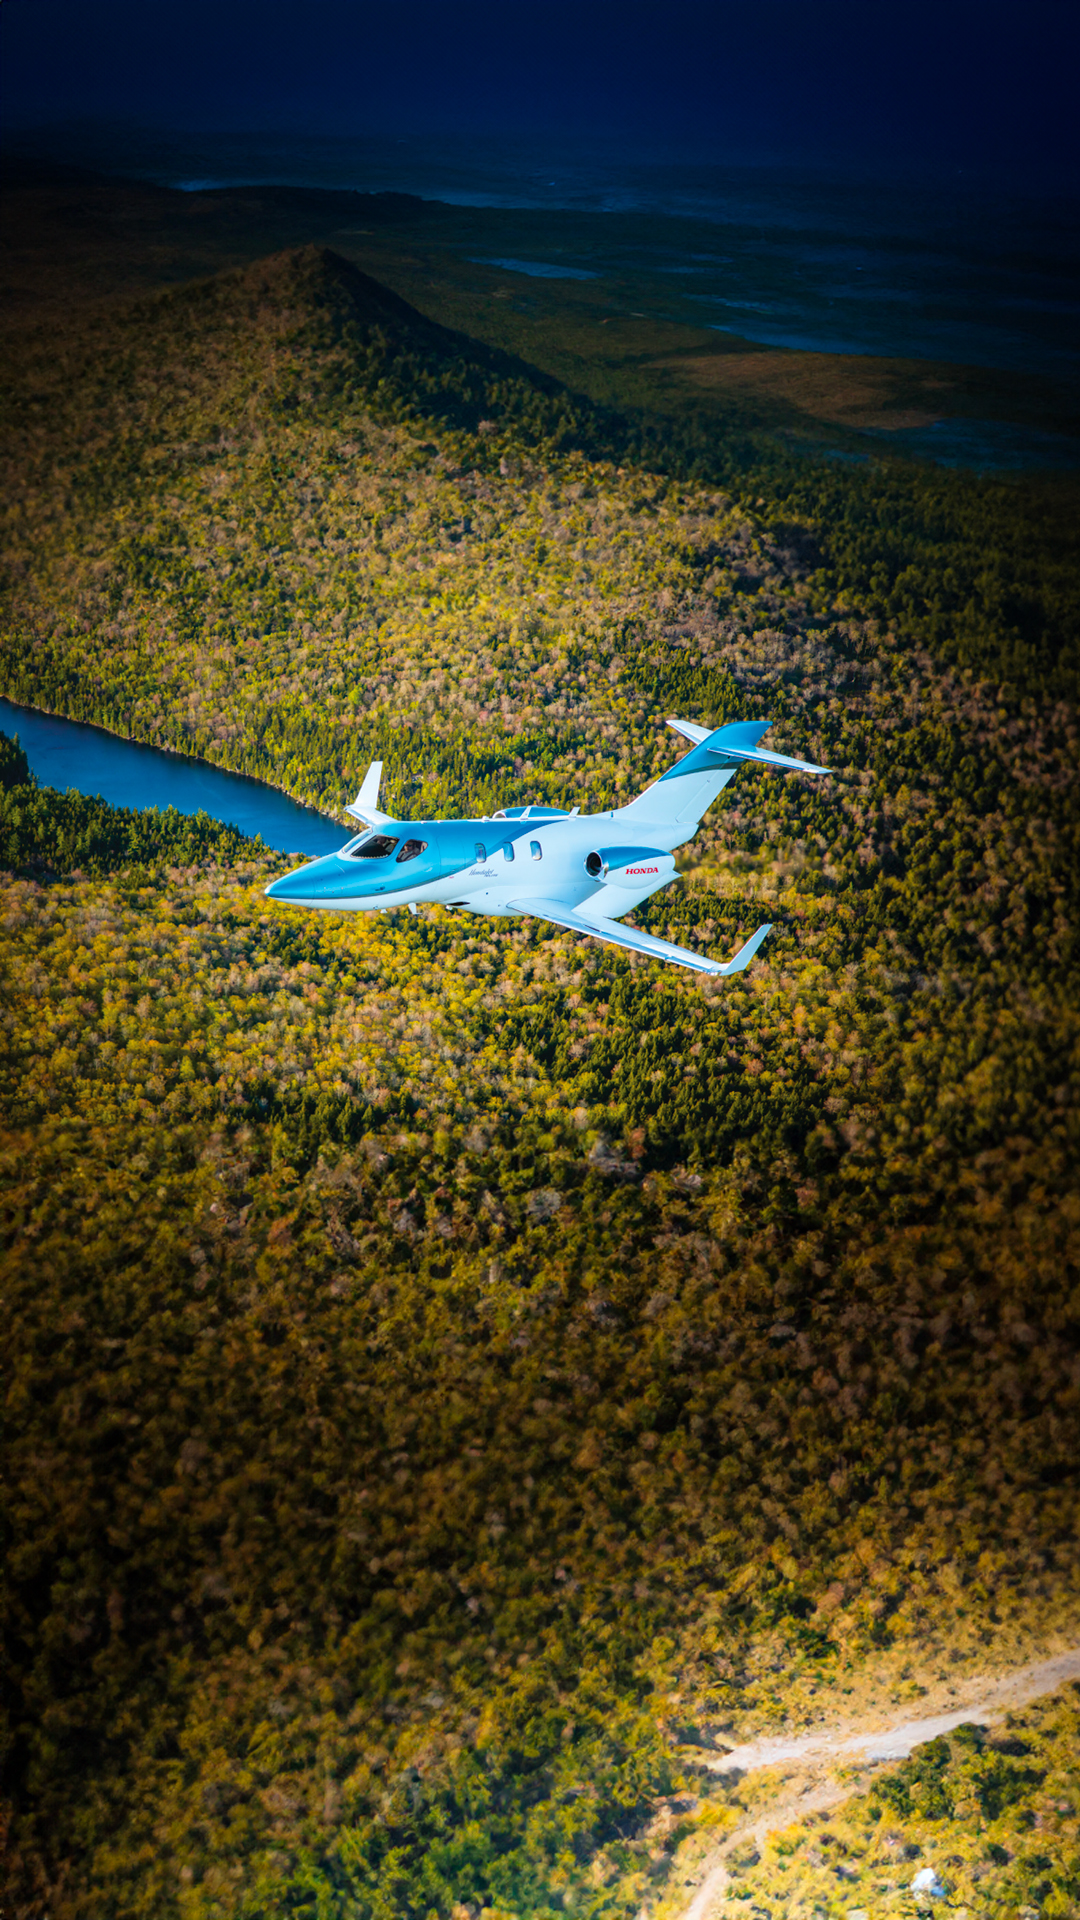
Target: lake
{"x": 68, "y": 753}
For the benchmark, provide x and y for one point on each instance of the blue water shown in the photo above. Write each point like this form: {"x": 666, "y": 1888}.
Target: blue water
{"x": 67, "y": 753}
{"x": 539, "y": 269}
{"x": 983, "y": 446}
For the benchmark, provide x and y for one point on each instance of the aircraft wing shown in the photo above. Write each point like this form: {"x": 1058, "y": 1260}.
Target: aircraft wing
{"x": 637, "y": 942}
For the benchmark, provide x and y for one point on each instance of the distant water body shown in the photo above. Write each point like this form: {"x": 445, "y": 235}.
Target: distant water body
{"x": 67, "y": 753}
{"x": 537, "y": 269}
{"x": 940, "y": 269}
{"x": 970, "y": 271}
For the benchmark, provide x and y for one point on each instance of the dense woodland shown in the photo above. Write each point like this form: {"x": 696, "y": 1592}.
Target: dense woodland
{"x": 458, "y": 1373}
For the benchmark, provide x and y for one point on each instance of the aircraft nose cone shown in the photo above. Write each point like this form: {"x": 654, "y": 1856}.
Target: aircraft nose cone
{"x": 288, "y": 886}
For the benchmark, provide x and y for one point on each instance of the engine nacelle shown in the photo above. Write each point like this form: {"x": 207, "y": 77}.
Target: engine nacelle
{"x": 634, "y": 869}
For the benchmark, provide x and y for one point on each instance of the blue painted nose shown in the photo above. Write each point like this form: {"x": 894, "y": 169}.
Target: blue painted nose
{"x": 322, "y": 882}
{"x": 284, "y": 888}
{"x": 303, "y": 882}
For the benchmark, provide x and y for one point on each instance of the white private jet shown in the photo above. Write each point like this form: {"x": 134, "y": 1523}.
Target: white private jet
{"x": 580, "y": 872}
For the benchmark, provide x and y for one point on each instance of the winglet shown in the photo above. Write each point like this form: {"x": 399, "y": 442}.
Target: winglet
{"x": 635, "y": 939}
{"x": 746, "y": 953}
{"x": 366, "y": 805}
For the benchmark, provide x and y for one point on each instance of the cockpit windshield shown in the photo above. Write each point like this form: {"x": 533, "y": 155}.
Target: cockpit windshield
{"x": 371, "y": 846}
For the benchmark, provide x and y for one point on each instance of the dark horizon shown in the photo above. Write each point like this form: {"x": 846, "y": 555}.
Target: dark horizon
{"x": 982, "y": 94}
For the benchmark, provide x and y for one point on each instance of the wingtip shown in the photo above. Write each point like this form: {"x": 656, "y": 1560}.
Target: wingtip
{"x": 747, "y": 951}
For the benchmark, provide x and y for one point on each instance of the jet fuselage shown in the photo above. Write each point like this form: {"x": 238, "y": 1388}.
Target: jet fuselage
{"x": 579, "y": 872}
{"x": 484, "y": 864}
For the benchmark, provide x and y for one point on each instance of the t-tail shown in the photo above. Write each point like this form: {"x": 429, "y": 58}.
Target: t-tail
{"x": 684, "y": 794}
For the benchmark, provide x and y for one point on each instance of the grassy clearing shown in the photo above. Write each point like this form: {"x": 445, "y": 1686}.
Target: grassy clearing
{"x": 991, "y": 1812}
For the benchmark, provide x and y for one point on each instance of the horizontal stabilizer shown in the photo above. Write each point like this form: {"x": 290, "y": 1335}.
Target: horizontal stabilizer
{"x": 759, "y": 756}
{"x": 366, "y": 805}
{"x": 690, "y": 730}
{"x": 731, "y": 745}
{"x": 635, "y": 940}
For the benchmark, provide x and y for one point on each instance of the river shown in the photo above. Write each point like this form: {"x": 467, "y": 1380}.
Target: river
{"x": 69, "y": 753}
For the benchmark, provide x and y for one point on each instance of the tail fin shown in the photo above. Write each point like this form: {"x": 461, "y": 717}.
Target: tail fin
{"x": 687, "y": 790}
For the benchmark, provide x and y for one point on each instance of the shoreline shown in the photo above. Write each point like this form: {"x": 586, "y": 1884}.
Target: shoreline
{"x": 153, "y": 746}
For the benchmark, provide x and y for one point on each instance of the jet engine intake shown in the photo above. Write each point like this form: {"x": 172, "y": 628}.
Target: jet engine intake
{"x": 637, "y": 869}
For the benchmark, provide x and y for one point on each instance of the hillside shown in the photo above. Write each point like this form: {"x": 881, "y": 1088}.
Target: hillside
{"x": 76, "y": 238}
{"x": 236, "y": 490}
{"x": 460, "y": 1375}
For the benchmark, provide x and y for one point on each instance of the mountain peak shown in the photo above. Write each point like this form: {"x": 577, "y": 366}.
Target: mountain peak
{"x": 318, "y": 276}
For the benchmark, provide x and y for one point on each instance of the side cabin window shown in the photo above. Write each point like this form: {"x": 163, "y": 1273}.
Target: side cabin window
{"x": 536, "y": 849}
{"x": 508, "y": 850}
{"x": 377, "y": 846}
{"x": 411, "y": 850}
{"x": 481, "y": 852}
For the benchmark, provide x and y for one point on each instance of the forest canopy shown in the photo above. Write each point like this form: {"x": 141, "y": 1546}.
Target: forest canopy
{"x": 458, "y": 1373}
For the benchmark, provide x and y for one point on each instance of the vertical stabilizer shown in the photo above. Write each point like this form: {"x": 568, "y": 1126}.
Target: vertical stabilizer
{"x": 687, "y": 790}
{"x": 684, "y": 794}
{"x": 683, "y": 803}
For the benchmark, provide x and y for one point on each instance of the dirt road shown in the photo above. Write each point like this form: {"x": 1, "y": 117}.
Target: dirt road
{"x": 984, "y": 1700}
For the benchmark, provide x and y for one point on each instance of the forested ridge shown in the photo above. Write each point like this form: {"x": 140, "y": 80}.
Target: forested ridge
{"x": 458, "y": 1373}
